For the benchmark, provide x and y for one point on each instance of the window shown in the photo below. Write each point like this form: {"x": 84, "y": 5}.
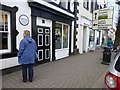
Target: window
{"x": 65, "y": 36}
{"x": 86, "y": 4}
{"x": 58, "y": 35}
{"x": 61, "y": 33}
{"x": 72, "y": 5}
{"x": 4, "y": 32}
{"x": 117, "y": 65}
{"x": 8, "y": 31}
{"x": 92, "y": 5}
{"x": 64, "y": 3}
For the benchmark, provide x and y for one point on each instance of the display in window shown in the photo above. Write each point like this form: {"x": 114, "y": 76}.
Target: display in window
{"x": 65, "y": 36}
{"x": 58, "y": 36}
{"x": 3, "y": 31}
{"x": 61, "y": 33}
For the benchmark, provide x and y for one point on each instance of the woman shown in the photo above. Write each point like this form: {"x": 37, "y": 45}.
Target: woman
{"x": 27, "y": 55}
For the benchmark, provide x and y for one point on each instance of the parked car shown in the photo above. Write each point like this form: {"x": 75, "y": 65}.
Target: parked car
{"x": 112, "y": 77}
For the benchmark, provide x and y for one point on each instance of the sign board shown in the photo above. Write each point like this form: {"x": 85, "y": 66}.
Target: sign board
{"x": 103, "y": 18}
{"x": 24, "y": 20}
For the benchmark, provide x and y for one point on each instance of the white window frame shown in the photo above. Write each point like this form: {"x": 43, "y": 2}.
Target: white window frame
{"x": 62, "y": 35}
{"x": 9, "y": 34}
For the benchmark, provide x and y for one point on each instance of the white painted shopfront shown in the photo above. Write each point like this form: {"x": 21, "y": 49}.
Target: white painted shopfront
{"x": 50, "y": 26}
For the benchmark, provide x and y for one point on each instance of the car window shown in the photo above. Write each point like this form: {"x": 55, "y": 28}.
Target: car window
{"x": 117, "y": 65}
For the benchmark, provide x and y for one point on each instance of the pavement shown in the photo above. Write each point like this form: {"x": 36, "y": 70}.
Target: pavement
{"x": 77, "y": 71}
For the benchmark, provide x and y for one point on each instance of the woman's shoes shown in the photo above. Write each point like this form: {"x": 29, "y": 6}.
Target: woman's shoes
{"x": 30, "y": 80}
{"x": 26, "y": 81}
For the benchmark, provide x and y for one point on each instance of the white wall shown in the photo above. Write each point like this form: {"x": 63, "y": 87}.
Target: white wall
{"x": 100, "y": 37}
{"x": 80, "y": 39}
{"x": 72, "y": 37}
{"x": 86, "y": 33}
{"x": 6, "y": 63}
{"x": 23, "y": 8}
{"x": 85, "y": 19}
{"x": 61, "y": 53}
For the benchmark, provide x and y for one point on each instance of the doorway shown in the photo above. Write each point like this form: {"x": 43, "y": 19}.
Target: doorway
{"x": 43, "y": 43}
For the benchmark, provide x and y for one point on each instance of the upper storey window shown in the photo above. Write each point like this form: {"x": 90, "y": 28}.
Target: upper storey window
{"x": 64, "y": 4}
{"x": 4, "y": 31}
{"x": 86, "y": 4}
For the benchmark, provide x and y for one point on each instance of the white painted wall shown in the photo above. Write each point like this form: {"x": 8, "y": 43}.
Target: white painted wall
{"x": 6, "y": 63}
{"x": 59, "y": 54}
{"x": 95, "y": 39}
{"x": 80, "y": 38}
{"x": 85, "y": 19}
{"x": 72, "y": 37}
{"x": 85, "y": 38}
{"x": 100, "y": 37}
{"x": 23, "y": 8}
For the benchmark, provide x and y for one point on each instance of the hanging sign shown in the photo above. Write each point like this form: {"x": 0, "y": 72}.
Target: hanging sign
{"x": 103, "y": 18}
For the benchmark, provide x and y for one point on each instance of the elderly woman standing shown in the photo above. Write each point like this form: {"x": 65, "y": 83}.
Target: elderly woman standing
{"x": 27, "y": 55}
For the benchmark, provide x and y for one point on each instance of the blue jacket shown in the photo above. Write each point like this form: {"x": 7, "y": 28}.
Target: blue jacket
{"x": 110, "y": 43}
{"x": 27, "y": 51}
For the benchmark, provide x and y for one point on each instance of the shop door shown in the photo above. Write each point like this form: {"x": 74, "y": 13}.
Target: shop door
{"x": 43, "y": 43}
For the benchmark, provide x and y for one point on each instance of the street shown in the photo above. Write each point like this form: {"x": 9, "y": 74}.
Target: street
{"x": 77, "y": 71}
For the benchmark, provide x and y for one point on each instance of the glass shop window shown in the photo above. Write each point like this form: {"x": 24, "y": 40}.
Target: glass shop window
{"x": 58, "y": 36}
{"x": 61, "y": 34}
{"x": 4, "y": 32}
{"x": 65, "y": 36}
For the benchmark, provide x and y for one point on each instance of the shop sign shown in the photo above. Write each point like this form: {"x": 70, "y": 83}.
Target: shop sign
{"x": 103, "y": 18}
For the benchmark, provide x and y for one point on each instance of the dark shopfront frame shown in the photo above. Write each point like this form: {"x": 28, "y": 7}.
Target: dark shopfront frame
{"x": 38, "y": 10}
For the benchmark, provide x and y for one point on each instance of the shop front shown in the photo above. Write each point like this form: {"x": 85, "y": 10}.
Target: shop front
{"x": 50, "y": 25}
{"x": 52, "y": 31}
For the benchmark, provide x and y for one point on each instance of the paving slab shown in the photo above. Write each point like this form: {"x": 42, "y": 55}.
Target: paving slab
{"x": 77, "y": 71}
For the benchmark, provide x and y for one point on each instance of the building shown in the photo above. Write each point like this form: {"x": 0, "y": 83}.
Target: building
{"x": 86, "y": 36}
{"x": 51, "y": 24}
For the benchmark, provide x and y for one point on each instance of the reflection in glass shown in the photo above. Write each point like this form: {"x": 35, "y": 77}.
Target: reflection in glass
{"x": 58, "y": 34}
{"x": 3, "y": 41}
{"x": 3, "y": 22}
{"x": 65, "y": 36}
{"x": 6, "y": 22}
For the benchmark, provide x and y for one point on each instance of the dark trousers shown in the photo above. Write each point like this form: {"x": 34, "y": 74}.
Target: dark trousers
{"x": 27, "y": 69}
